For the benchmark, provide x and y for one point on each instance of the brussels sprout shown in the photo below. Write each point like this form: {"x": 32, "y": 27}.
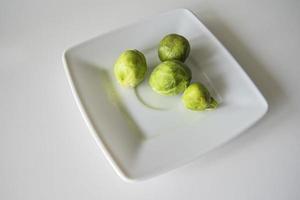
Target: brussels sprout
{"x": 196, "y": 97}
{"x": 173, "y": 47}
{"x": 130, "y": 68}
{"x": 170, "y": 78}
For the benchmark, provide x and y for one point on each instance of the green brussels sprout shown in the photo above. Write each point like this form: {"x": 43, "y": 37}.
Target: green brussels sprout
{"x": 196, "y": 97}
{"x": 170, "y": 78}
{"x": 173, "y": 47}
{"x": 130, "y": 68}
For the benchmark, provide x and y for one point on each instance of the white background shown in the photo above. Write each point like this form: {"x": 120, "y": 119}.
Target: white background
{"x": 47, "y": 152}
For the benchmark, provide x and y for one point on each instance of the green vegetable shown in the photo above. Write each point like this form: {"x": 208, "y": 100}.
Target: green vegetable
{"x": 173, "y": 47}
{"x": 170, "y": 78}
{"x": 130, "y": 68}
{"x": 196, "y": 97}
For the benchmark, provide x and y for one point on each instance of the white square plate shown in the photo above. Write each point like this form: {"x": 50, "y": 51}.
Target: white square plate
{"x": 142, "y": 133}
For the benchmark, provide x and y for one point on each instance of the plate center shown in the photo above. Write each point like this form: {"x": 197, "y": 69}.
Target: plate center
{"x": 144, "y": 92}
{"x": 155, "y": 101}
